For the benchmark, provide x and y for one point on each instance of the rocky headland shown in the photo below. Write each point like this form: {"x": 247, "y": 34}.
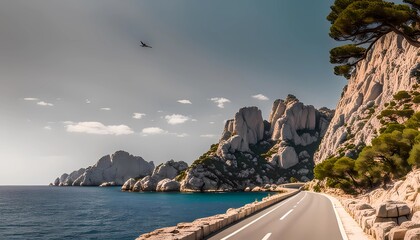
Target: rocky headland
{"x": 253, "y": 152}
{"x": 114, "y": 169}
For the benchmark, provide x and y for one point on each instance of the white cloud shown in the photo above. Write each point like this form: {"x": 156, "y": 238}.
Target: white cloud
{"x": 97, "y": 128}
{"x": 220, "y": 101}
{"x": 185, "y": 101}
{"x": 182, "y": 135}
{"x": 30, "y": 99}
{"x": 176, "y": 119}
{"x": 106, "y": 109}
{"x": 261, "y": 97}
{"x": 47, "y": 128}
{"x": 88, "y": 101}
{"x": 194, "y": 120}
{"x": 42, "y": 103}
{"x": 211, "y": 122}
{"x": 138, "y": 115}
{"x": 153, "y": 130}
{"x": 208, "y": 136}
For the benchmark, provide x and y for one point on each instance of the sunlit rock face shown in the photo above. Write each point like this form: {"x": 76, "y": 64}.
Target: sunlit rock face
{"x": 162, "y": 178}
{"x": 388, "y": 69}
{"x": 253, "y": 152}
{"x": 116, "y": 168}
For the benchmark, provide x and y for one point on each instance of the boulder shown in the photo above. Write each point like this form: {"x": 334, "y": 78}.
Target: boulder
{"x": 168, "y": 185}
{"x": 169, "y": 169}
{"x": 391, "y": 209}
{"x": 398, "y": 233}
{"x": 285, "y": 158}
{"x": 137, "y": 186}
{"x": 57, "y": 182}
{"x": 149, "y": 183}
{"x": 380, "y": 230}
{"x": 107, "y": 184}
{"x": 412, "y": 234}
{"x": 128, "y": 185}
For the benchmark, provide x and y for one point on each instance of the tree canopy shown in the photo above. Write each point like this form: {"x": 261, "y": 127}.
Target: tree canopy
{"x": 391, "y": 156}
{"x": 363, "y": 22}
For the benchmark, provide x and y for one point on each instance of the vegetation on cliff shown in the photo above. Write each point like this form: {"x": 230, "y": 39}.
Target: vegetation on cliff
{"x": 364, "y": 22}
{"x": 391, "y": 156}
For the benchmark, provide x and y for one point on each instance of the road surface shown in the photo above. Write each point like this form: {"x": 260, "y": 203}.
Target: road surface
{"x": 304, "y": 216}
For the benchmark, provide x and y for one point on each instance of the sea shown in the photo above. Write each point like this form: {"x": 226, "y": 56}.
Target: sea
{"x": 43, "y": 212}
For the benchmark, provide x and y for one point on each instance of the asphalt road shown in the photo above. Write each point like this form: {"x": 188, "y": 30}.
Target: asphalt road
{"x": 304, "y": 216}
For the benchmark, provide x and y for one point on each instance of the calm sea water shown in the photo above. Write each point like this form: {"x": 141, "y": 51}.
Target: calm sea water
{"x": 38, "y": 212}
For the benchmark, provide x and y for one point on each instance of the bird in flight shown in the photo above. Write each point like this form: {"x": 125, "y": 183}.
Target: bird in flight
{"x": 144, "y": 44}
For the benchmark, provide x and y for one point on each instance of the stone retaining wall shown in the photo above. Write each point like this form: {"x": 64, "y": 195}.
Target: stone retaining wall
{"x": 203, "y": 227}
{"x": 390, "y": 220}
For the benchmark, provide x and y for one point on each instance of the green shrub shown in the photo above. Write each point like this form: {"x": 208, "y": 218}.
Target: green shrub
{"x": 401, "y": 95}
{"x": 416, "y": 99}
{"x": 293, "y": 180}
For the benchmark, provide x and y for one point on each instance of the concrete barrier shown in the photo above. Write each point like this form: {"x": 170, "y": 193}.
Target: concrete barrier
{"x": 203, "y": 227}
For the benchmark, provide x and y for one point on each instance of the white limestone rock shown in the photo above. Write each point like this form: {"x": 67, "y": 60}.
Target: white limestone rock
{"x": 57, "y": 182}
{"x": 168, "y": 185}
{"x": 385, "y": 71}
{"x": 118, "y": 168}
{"x": 170, "y": 169}
{"x": 285, "y": 158}
{"x": 149, "y": 183}
{"x": 246, "y": 128}
{"x": 128, "y": 185}
{"x": 107, "y": 184}
{"x": 73, "y": 176}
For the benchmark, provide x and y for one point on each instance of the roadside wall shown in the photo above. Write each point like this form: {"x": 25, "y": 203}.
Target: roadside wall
{"x": 203, "y": 227}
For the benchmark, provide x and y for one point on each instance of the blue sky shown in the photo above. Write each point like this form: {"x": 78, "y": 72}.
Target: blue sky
{"x": 75, "y": 85}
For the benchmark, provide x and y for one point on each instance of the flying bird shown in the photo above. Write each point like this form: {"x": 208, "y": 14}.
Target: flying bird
{"x": 144, "y": 44}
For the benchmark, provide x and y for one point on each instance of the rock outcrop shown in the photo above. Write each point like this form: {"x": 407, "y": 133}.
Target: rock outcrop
{"x": 391, "y": 66}
{"x": 116, "y": 168}
{"x": 253, "y": 152}
{"x": 68, "y": 179}
{"x": 162, "y": 178}
{"x": 246, "y": 128}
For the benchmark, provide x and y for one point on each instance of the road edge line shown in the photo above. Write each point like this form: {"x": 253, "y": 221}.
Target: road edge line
{"x": 340, "y": 223}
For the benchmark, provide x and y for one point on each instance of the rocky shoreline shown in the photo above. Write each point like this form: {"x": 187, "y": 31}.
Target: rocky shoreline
{"x": 203, "y": 227}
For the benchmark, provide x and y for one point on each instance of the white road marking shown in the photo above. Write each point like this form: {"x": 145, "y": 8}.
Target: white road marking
{"x": 285, "y": 215}
{"x": 266, "y": 236}
{"x": 265, "y": 214}
{"x": 340, "y": 224}
{"x": 302, "y": 198}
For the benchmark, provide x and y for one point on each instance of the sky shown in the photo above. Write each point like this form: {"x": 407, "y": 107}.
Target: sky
{"x": 75, "y": 85}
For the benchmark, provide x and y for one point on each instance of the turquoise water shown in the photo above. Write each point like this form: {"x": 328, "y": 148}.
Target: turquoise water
{"x": 41, "y": 212}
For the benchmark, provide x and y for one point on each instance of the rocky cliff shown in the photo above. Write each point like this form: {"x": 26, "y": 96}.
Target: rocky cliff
{"x": 391, "y": 66}
{"x": 116, "y": 169}
{"x": 253, "y": 152}
{"x": 161, "y": 180}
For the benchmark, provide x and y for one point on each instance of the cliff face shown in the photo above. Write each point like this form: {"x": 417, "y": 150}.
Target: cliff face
{"x": 391, "y": 66}
{"x": 116, "y": 168}
{"x": 253, "y": 152}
